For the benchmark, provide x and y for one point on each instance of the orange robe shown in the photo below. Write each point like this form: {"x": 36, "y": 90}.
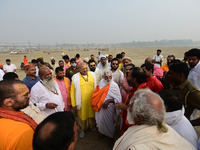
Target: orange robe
{"x": 15, "y": 135}
{"x": 25, "y": 61}
{"x": 99, "y": 96}
{"x": 165, "y": 68}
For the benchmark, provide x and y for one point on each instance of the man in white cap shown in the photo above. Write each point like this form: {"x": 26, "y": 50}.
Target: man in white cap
{"x": 103, "y": 64}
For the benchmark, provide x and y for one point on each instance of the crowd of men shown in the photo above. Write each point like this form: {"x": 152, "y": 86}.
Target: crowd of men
{"x": 152, "y": 106}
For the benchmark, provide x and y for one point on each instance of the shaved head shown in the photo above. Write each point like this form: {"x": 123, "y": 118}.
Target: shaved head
{"x": 148, "y": 59}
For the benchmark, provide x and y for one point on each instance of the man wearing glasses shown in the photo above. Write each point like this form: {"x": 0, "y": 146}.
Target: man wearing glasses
{"x": 97, "y": 71}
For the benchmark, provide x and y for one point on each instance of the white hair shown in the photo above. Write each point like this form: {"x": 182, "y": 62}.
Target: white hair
{"x": 145, "y": 103}
{"x": 106, "y": 72}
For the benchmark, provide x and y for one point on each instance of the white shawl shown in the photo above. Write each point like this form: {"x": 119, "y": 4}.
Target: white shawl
{"x": 147, "y": 137}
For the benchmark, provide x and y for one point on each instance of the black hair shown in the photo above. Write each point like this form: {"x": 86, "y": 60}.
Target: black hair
{"x": 60, "y": 136}
{"x": 7, "y": 60}
{"x": 159, "y": 50}
{"x": 10, "y": 76}
{"x": 180, "y": 67}
{"x": 7, "y": 90}
{"x": 194, "y": 52}
{"x": 119, "y": 56}
{"x": 73, "y": 59}
{"x": 114, "y": 59}
{"x": 40, "y": 61}
{"x": 90, "y": 61}
{"x": 59, "y": 69}
{"x": 77, "y": 55}
{"x": 172, "y": 100}
{"x": 139, "y": 74}
{"x": 66, "y": 57}
{"x": 33, "y": 61}
{"x": 60, "y": 61}
{"x": 148, "y": 66}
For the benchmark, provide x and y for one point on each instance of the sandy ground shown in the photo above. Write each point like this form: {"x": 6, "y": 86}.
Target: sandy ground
{"x": 92, "y": 140}
{"x": 138, "y": 54}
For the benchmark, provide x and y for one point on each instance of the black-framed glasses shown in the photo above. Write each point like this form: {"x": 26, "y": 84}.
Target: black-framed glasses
{"x": 114, "y": 63}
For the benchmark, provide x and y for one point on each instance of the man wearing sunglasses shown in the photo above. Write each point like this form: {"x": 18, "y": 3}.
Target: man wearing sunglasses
{"x": 97, "y": 71}
{"x": 117, "y": 74}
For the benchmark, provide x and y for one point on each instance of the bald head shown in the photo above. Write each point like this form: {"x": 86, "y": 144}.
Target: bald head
{"x": 47, "y": 130}
{"x": 149, "y": 59}
{"x": 57, "y": 131}
{"x": 45, "y": 73}
{"x": 83, "y": 68}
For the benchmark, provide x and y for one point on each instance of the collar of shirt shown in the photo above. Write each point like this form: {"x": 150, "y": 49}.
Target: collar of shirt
{"x": 29, "y": 78}
{"x": 197, "y": 65}
{"x": 182, "y": 85}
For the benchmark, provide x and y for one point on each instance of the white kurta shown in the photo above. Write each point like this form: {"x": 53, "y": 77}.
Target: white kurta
{"x": 40, "y": 96}
{"x": 118, "y": 76}
{"x": 9, "y": 68}
{"x": 158, "y": 58}
{"x": 1, "y": 74}
{"x": 106, "y": 118}
{"x": 194, "y": 75}
{"x": 98, "y": 74}
{"x": 181, "y": 125}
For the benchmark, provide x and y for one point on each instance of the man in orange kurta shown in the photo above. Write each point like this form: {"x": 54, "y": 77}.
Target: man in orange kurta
{"x": 25, "y": 60}
{"x": 17, "y": 129}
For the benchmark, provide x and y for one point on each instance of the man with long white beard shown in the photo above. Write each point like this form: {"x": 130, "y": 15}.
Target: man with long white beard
{"x": 46, "y": 95}
{"x": 105, "y": 95}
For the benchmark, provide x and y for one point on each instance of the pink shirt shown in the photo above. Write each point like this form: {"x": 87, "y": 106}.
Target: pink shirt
{"x": 123, "y": 93}
{"x": 158, "y": 72}
{"x": 63, "y": 89}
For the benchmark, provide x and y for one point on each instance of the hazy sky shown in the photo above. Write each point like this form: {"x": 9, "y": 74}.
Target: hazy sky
{"x": 98, "y": 21}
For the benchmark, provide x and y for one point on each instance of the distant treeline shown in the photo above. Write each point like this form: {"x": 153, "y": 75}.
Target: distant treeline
{"x": 162, "y": 43}
{"x": 138, "y": 43}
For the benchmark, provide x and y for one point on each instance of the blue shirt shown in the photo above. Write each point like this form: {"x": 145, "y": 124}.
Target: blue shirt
{"x": 30, "y": 82}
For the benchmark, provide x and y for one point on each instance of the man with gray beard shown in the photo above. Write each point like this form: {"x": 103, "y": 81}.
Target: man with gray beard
{"x": 105, "y": 95}
{"x": 46, "y": 95}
